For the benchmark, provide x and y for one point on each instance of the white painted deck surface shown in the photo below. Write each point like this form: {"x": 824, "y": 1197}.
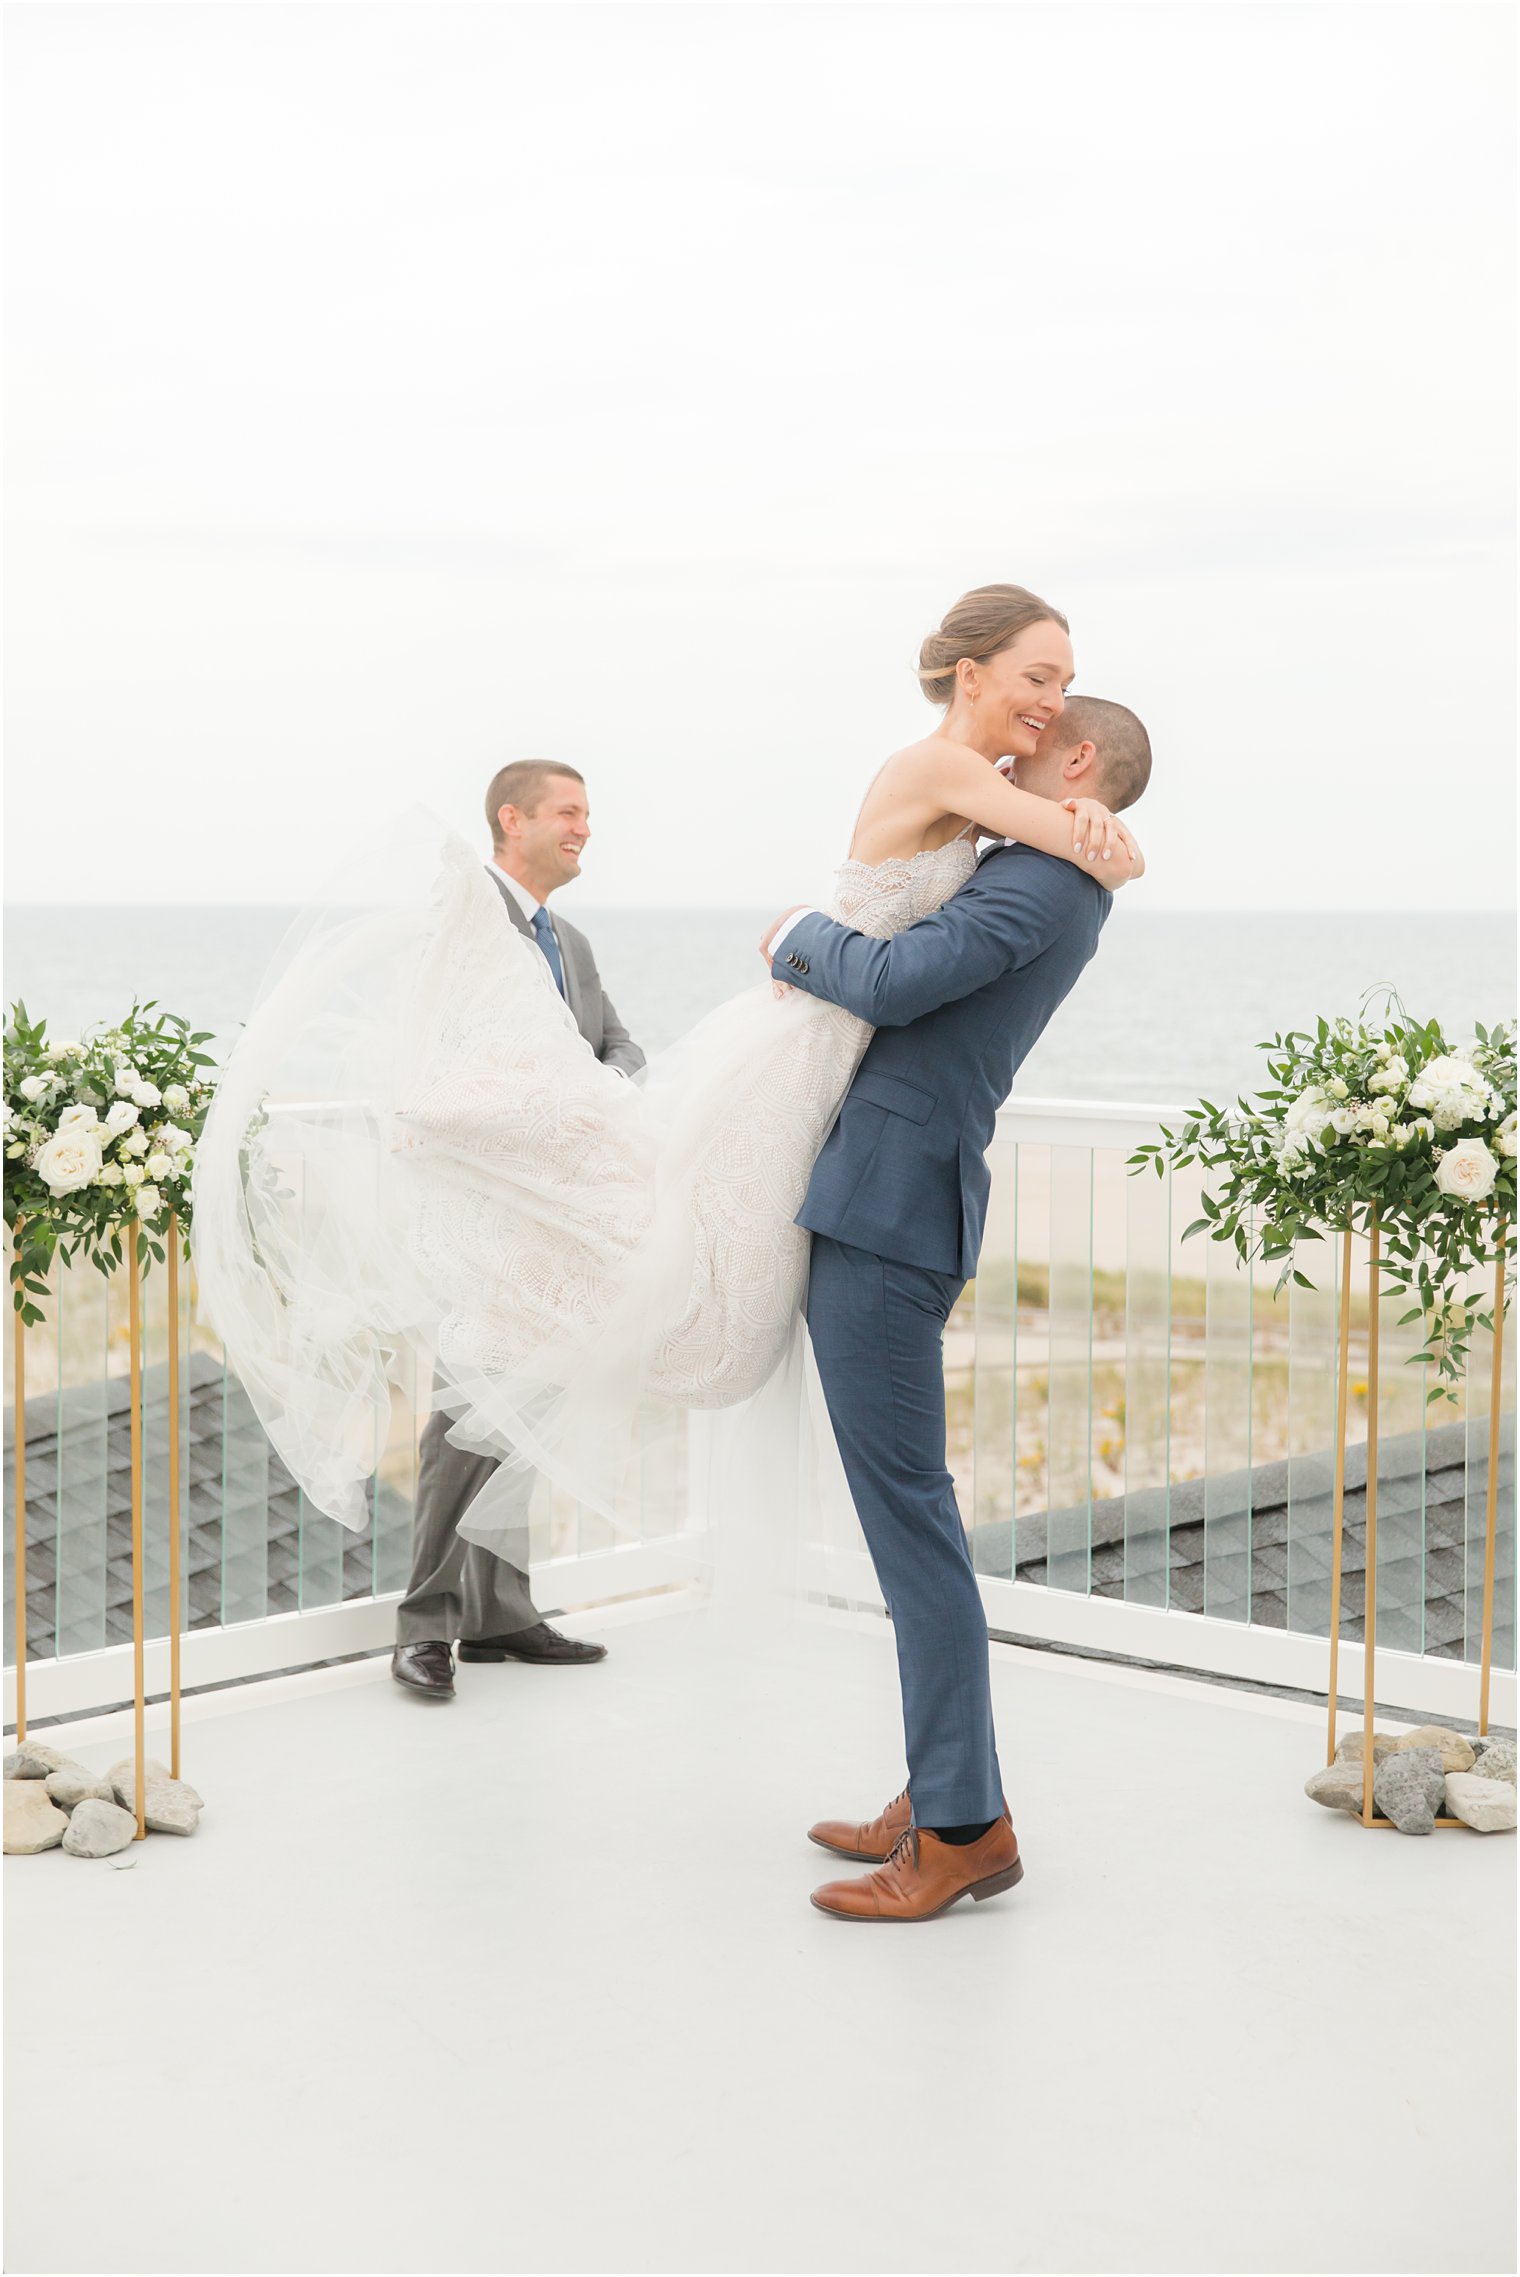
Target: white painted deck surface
{"x": 530, "y": 1982}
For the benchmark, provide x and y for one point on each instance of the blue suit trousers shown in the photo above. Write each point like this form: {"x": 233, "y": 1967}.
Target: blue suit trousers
{"x": 877, "y": 1328}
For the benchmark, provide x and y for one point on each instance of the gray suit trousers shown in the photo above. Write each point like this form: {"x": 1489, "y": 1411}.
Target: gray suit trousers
{"x": 457, "y": 1588}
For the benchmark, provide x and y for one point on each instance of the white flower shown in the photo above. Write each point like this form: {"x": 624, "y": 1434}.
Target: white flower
{"x": 132, "y": 1174}
{"x": 159, "y": 1166}
{"x": 135, "y": 1142}
{"x": 63, "y": 1051}
{"x": 1467, "y": 1171}
{"x": 68, "y": 1161}
{"x": 1384, "y": 1047}
{"x": 121, "y": 1117}
{"x": 177, "y": 1141}
{"x": 127, "y": 1080}
{"x": 1308, "y": 1115}
{"x": 35, "y": 1087}
{"x": 1338, "y": 1088}
{"x": 16, "y": 1150}
{"x": 1504, "y": 1137}
{"x": 78, "y": 1119}
{"x": 147, "y": 1095}
{"x": 147, "y": 1201}
{"x": 1343, "y": 1121}
{"x": 1390, "y": 1078}
{"x": 176, "y": 1098}
{"x": 110, "y": 1175}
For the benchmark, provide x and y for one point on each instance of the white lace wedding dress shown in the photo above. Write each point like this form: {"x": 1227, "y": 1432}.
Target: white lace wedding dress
{"x": 582, "y": 1258}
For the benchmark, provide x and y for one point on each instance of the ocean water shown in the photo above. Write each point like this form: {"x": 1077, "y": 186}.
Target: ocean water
{"x": 1172, "y": 1006}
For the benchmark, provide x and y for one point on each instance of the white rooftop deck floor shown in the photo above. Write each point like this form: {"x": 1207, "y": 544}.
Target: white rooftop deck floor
{"x": 530, "y": 1982}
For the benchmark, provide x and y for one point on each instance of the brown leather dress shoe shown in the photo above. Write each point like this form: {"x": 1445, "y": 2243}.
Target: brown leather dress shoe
{"x": 871, "y": 1842}
{"x": 544, "y": 1646}
{"x": 925, "y": 1877}
{"x": 426, "y": 1668}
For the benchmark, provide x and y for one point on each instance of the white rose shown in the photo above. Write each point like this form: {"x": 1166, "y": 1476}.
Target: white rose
{"x": 1338, "y": 1087}
{"x": 1308, "y": 1115}
{"x": 1343, "y": 1120}
{"x": 121, "y": 1117}
{"x": 68, "y": 1161}
{"x": 147, "y": 1201}
{"x": 132, "y": 1174}
{"x": 111, "y": 1175}
{"x": 177, "y": 1141}
{"x": 136, "y": 1142}
{"x": 127, "y": 1080}
{"x": 147, "y": 1095}
{"x": 1504, "y": 1137}
{"x": 35, "y": 1087}
{"x": 1467, "y": 1171}
{"x": 78, "y": 1119}
{"x": 176, "y": 1098}
{"x": 159, "y": 1166}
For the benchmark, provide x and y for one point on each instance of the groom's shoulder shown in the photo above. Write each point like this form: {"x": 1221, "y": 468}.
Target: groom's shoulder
{"x": 1029, "y": 871}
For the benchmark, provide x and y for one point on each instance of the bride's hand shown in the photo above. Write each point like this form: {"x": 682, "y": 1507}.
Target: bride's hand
{"x": 774, "y": 928}
{"x": 1103, "y": 837}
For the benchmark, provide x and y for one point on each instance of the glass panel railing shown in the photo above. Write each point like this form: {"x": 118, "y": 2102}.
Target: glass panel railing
{"x": 1071, "y": 1343}
{"x": 1148, "y": 1389}
{"x": 995, "y": 1349}
{"x": 1227, "y": 1435}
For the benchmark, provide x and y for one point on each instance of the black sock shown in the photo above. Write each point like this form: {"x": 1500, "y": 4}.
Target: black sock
{"x": 961, "y": 1835}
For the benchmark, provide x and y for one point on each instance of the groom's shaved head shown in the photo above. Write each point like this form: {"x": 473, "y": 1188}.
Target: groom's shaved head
{"x": 1123, "y": 764}
{"x": 522, "y": 785}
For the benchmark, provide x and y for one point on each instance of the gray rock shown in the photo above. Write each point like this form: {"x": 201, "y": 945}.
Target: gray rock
{"x": 123, "y": 1778}
{"x": 1455, "y": 1752}
{"x": 1486, "y": 1804}
{"x": 99, "y": 1829}
{"x": 1338, "y": 1786}
{"x": 1350, "y": 1748}
{"x": 1496, "y": 1760}
{"x": 72, "y": 1784}
{"x": 1408, "y": 1787}
{"x": 31, "y": 1760}
{"x": 32, "y": 1823}
{"x": 170, "y": 1807}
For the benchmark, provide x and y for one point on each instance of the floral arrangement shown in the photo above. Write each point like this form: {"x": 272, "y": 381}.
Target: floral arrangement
{"x": 98, "y": 1135}
{"x": 1360, "y": 1124}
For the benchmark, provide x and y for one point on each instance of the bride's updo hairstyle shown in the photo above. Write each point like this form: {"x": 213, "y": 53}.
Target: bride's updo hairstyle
{"x": 983, "y": 621}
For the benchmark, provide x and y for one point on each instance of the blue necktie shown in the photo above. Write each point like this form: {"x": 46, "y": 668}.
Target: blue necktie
{"x": 550, "y": 947}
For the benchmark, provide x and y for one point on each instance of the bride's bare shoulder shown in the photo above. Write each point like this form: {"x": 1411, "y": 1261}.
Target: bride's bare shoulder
{"x": 929, "y": 753}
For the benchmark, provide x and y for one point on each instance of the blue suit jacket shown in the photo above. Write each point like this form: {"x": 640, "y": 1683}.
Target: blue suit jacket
{"x": 957, "y": 1002}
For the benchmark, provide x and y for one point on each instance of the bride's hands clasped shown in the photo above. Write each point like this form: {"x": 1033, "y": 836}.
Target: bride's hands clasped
{"x": 1103, "y": 837}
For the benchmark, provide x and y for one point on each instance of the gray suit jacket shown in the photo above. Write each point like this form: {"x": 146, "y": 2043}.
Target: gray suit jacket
{"x": 956, "y": 1001}
{"x": 590, "y": 1005}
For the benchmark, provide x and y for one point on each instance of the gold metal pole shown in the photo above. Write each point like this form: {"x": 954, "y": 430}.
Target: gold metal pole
{"x": 1369, "y": 1620}
{"x": 20, "y": 1456}
{"x": 1341, "y": 1385}
{"x": 1496, "y": 1390}
{"x": 174, "y": 1509}
{"x": 134, "y": 1322}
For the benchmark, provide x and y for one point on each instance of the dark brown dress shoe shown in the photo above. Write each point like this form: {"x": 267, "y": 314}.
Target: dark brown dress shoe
{"x": 924, "y": 1877}
{"x": 870, "y": 1843}
{"x": 544, "y": 1646}
{"x": 427, "y": 1669}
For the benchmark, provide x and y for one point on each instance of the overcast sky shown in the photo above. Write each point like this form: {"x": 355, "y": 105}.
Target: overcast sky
{"x": 394, "y": 391}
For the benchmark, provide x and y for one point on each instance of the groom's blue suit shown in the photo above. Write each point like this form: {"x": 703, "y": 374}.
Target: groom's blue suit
{"x": 896, "y": 1207}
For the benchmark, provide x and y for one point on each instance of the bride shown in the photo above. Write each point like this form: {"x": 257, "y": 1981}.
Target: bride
{"x": 581, "y": 1259}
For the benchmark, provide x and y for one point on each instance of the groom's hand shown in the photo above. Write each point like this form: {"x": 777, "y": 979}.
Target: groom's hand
{"x": 774, "y": 928}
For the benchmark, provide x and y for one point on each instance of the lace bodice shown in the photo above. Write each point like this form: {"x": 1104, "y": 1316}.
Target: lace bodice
{"x": 882, "y": 898}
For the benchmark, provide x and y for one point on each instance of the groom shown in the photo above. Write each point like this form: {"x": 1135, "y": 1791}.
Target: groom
{"x": 896, "y": 1207}
{"x": 539, "y": 822}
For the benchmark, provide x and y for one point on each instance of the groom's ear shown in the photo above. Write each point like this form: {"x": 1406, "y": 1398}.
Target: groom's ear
{"x": 1078, "y": 766}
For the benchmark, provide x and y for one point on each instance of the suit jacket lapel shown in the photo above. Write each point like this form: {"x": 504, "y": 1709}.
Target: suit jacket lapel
{"x": 572, "y": 977}
{"x": 513, "y": 911}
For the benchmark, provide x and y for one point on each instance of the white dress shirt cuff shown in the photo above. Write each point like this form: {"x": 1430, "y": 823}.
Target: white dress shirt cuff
{"x": 792, "y": 922}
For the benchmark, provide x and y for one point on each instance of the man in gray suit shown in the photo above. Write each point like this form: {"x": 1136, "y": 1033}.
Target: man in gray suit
{"x": 459, "y": 1592}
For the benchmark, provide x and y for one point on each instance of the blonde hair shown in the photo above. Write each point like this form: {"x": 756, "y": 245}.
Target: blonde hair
{"x": 983, "y": 621}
